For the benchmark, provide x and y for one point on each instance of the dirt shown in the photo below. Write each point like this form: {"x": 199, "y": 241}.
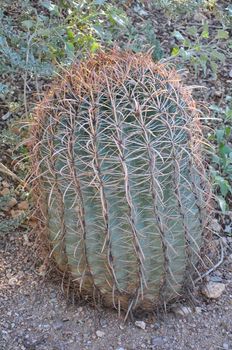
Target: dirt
{"x": 36, "y": 314}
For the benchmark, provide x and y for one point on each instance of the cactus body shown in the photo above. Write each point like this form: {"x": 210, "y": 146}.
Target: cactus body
{"x": 121, "y": 182}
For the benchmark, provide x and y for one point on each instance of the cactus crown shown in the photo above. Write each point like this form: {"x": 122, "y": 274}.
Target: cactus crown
{"x": 117, "y": 153}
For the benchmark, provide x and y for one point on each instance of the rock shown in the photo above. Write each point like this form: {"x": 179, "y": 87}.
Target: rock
{"x": 12, "y": 202}
{"x": 218, "y": 93}
{"x": 5, "y": 184}
{"x": 140, "y": 324}
{"x": 43, "y": 268}
{"x": 7, "y": 115}
{"x": 15, "y": 213}
{"x": 155, "y": 326}
{"x": 32, "y": 222}
{"x": 198, "y": 310}
{"x": 228, "y": 230}
{"x": 5, "y": 191}
{"x": 182, "y": 310}
{"x": 215, "y": 279}
{"x": 23, "y": 205}
{"x": 103, "y": 323}
{"x": 213, "y": 290}
{"x": 157, "y": 341}
{"x": 12, "y": 281}
{"x": 100, "y": 334}
{"x": 57, "y": 325}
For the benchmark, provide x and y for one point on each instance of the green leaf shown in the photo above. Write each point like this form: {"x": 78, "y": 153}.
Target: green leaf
{"x": 187, "y": 43}
{"x": 229, "y": 44}
{"x": 4, "y": 89}
{"x": 220, "y": 135}
{"x": 70, "y": 34}
{"x": 215, "y": 108}
{"x": 99, "y": 30}
{"x": 205, "y": 31}
{"x": 222, "y": 203}
{"x": 186, "y": 54}
{"x": 229, "y": 9}
{"x": 228, "y": 113}
{"x": 178, "y": 36}
{"x": 216, "y": 55}
{"x": 94, "y": 46}
{"x": 197, "y": 48}
{"x": 222, "y": 34}
{"x": 117, "y": 19}
{"x": 216, "y": 159}
{"x": 203, "y": 61}
{"x": 223, "y": 184}
{"x": 99, "y": 2}
{"x": 192, "y": 31}
{"x": 175, "y": 51}
{"x": 225, "y": 150}
{"x": 227, "y": 131}
{"x": 214, "y": 67}
{"x": 50, "y": 6}
{"x": 69, "y": 49}
{"x": 28, "y": 23}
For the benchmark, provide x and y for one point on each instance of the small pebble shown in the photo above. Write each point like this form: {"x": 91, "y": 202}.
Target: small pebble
{"x": 140, "y": 324}
{"x": 12, "y": 281}
{"x": 23, "y": 205}
{"x": 15, "y": 213}
{"x": 12, "y": 202}
{"x": 213, "y": 290}
{"x": 100, "y": 334}
{"x": 58, "y": 325}
{"x": 182, "y": 310}
{"x": 157, "y": 341}
{"x": 5, "y": 191}
{"x": 198, "y": 310}
{"x": 215, "y": 279}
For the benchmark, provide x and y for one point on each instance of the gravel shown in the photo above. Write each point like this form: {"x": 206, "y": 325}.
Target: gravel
{"x": 35, "y": 313}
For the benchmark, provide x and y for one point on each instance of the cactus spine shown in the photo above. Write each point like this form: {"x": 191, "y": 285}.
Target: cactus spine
{"x": 117, "y": 153}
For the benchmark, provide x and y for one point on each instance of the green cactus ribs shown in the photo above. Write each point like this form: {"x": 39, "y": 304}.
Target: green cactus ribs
{"x": 117, "y": 157}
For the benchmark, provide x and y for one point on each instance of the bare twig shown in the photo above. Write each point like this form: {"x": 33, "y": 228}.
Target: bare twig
{"x": 8, "y": 172}
{"x": 215, "y": 266}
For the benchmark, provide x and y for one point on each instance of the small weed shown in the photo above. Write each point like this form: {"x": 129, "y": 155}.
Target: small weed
{"x": 174, "y": 8}
{"x": 221, "y": 162}
{"x": 203, "y": 50}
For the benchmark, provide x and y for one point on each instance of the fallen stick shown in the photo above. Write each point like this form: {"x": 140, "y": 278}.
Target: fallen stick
{"x": 6, "y": 171}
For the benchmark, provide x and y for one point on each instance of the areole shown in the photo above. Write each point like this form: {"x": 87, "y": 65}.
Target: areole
{"x": 120, "y": 179}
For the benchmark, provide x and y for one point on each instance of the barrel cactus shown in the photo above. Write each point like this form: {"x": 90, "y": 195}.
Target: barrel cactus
{"x": 120, "y": 181}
